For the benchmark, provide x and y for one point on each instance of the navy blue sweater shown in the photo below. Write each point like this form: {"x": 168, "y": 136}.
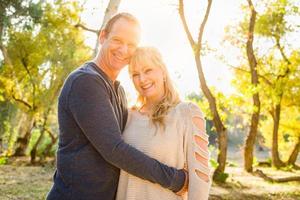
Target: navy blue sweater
{"x": 92, "y": 114}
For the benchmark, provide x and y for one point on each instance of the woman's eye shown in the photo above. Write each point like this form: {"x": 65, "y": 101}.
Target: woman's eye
{"x": 131, "y": 46}
{"x": 148, "y": 71}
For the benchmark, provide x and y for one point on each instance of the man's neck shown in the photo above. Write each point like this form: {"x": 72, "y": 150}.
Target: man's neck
{"x": 111, "y": 75}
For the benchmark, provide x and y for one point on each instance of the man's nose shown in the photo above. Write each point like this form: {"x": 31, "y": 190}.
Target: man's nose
{"x": 124, "y": 48}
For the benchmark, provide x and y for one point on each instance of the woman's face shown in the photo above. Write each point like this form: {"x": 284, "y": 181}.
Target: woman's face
{"x": 149, "y": 82}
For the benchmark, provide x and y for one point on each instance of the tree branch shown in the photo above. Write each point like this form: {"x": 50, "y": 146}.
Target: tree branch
{"x": 21, "y": 101}
{"x": 111, "y": 10}
{"x": 185, "y": 26}
{"x": 6, "y": 57}
{"x": 276, "y": 180}
{"x": 282, "y": 51}
{"x": 53, "y": 138}
{"x": 25, "y": 65}
{"x": 86, "y": 28}
{"x": 202, "y": 26}
{"x": 259, "y": 75}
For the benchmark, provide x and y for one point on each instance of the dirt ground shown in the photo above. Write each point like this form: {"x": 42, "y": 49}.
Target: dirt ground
{"x": 18, "y": 181}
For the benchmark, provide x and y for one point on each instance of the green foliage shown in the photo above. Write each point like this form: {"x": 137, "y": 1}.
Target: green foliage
{"x": 9, "y": 138}
{"x": 33, "y": 139}
{"x": 273, "y": 22}
{"x": 3, "y": 160}
{"x": 222, "y": 104}
{"x": 231, "y": 164}
{"x": 42, "y": 49}
{"x": 255, "y": 161}
{"x": 213, "y": 163}
{"x": 221, "y": 177}
{"x": 213, "y": 150}
{"x": 278, "y": 68}
{"x": 19, "y": 14}
{"x": 289, "y": 130}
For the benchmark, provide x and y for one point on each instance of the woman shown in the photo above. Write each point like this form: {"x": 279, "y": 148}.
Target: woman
{"x": 163, "y": 127}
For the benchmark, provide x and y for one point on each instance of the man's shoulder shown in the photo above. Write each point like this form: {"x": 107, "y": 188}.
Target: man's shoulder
{"x": 85, "y": 71}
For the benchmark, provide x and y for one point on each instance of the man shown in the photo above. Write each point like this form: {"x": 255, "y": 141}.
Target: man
{"x": 92, "y": 113}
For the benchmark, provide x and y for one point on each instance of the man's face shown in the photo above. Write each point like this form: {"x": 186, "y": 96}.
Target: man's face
{"x": 119, "y": 45}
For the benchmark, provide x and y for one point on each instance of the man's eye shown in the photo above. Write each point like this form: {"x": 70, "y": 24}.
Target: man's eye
{"x": 134, "y": 75}
{"x": 117, "y": 41}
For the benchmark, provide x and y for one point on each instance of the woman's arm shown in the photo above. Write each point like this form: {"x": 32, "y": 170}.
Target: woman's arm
{"x": 197, "y": 155}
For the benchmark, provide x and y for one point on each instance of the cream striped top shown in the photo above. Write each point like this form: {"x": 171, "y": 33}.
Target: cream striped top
{"x": 183, "y": 143}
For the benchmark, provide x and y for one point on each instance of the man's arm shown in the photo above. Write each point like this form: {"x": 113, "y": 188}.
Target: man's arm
{"x": 90, "y": 105}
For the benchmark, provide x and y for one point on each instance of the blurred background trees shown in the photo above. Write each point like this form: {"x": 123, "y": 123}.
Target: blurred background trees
{"x": 41, "y": 42}
{"x": 40, "y": 47}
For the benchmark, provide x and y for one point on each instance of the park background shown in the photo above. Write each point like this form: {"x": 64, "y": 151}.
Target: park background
{"x": 239, "y": 60}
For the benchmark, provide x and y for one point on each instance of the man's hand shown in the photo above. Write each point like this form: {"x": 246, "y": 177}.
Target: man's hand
{"x": 185, "y": 186}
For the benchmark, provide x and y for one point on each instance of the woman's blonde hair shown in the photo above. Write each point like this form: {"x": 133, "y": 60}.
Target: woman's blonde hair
{"x": 150, "y": 56}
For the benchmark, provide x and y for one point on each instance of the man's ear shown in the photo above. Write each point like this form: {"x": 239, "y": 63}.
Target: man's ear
{"x": 102, "y": 36}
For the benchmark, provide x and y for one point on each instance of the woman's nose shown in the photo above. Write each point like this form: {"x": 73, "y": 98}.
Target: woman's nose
{"x": 142, "y": 77}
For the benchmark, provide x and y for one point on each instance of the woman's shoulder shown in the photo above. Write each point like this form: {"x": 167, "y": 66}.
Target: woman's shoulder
{"x": 189, "y": 108}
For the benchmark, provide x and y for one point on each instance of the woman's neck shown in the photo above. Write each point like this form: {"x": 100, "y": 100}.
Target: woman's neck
{"x": 146, "y": 108}
{"x": 149, "y": 105}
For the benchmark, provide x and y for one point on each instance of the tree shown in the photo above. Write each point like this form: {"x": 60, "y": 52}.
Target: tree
{"x": 276, "y": 69}
{"x": 218, "y": 124}
{"x": 41, "y": 58}
{"x": 273, "y": 24}
{"x": 20, "y": 14}
{"x": 250, "y": 140}
{"x": 111, "y": 10}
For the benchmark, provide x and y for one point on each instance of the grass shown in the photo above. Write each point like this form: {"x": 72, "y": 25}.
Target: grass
{"x": 242, "y": 185}
{"x": 18, "y": 181}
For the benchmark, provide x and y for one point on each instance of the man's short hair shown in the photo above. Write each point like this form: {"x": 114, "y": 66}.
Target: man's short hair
{"x": 108, "y": 26}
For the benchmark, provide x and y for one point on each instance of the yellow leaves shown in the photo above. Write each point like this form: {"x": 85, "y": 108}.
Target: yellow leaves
{"x": 289, "y": 129}
{"x": 42, "y": 56}
{"x": 7, "y": 83}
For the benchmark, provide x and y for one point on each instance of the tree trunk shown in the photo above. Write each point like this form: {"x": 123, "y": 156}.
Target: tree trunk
{"x": 111, "y": 10}
{"x": 8, "y": 141}
{"x": 49, "y": 146}
{"x": 276, "y": 161}
{"x": 34, "y": 148}
{"x": 275, "y": 154}
{"x": 24, "y": 136}
{"x": 220, "y": 128}
{"x": 250, "y": 141}
{"x": 293, "y": 157}
{"x": 3, "y": 49}
{"x": 43, "y": 129}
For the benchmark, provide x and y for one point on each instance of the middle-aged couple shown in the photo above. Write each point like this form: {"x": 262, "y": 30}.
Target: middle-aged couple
{"x": 160, "y": 144}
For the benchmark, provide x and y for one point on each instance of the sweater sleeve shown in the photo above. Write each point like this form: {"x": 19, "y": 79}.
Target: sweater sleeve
{"x": 88, "y": 102}
{"x": 197, "y": 158}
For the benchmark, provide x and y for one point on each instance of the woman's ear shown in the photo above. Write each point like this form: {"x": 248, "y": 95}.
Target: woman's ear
{"x": 164, "y": 77}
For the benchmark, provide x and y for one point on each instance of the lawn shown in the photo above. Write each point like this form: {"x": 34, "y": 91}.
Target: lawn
{"x": 19, "y": 181}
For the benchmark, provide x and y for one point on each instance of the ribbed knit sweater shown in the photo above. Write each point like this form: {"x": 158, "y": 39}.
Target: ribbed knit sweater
{"x": 174, "y": 146}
